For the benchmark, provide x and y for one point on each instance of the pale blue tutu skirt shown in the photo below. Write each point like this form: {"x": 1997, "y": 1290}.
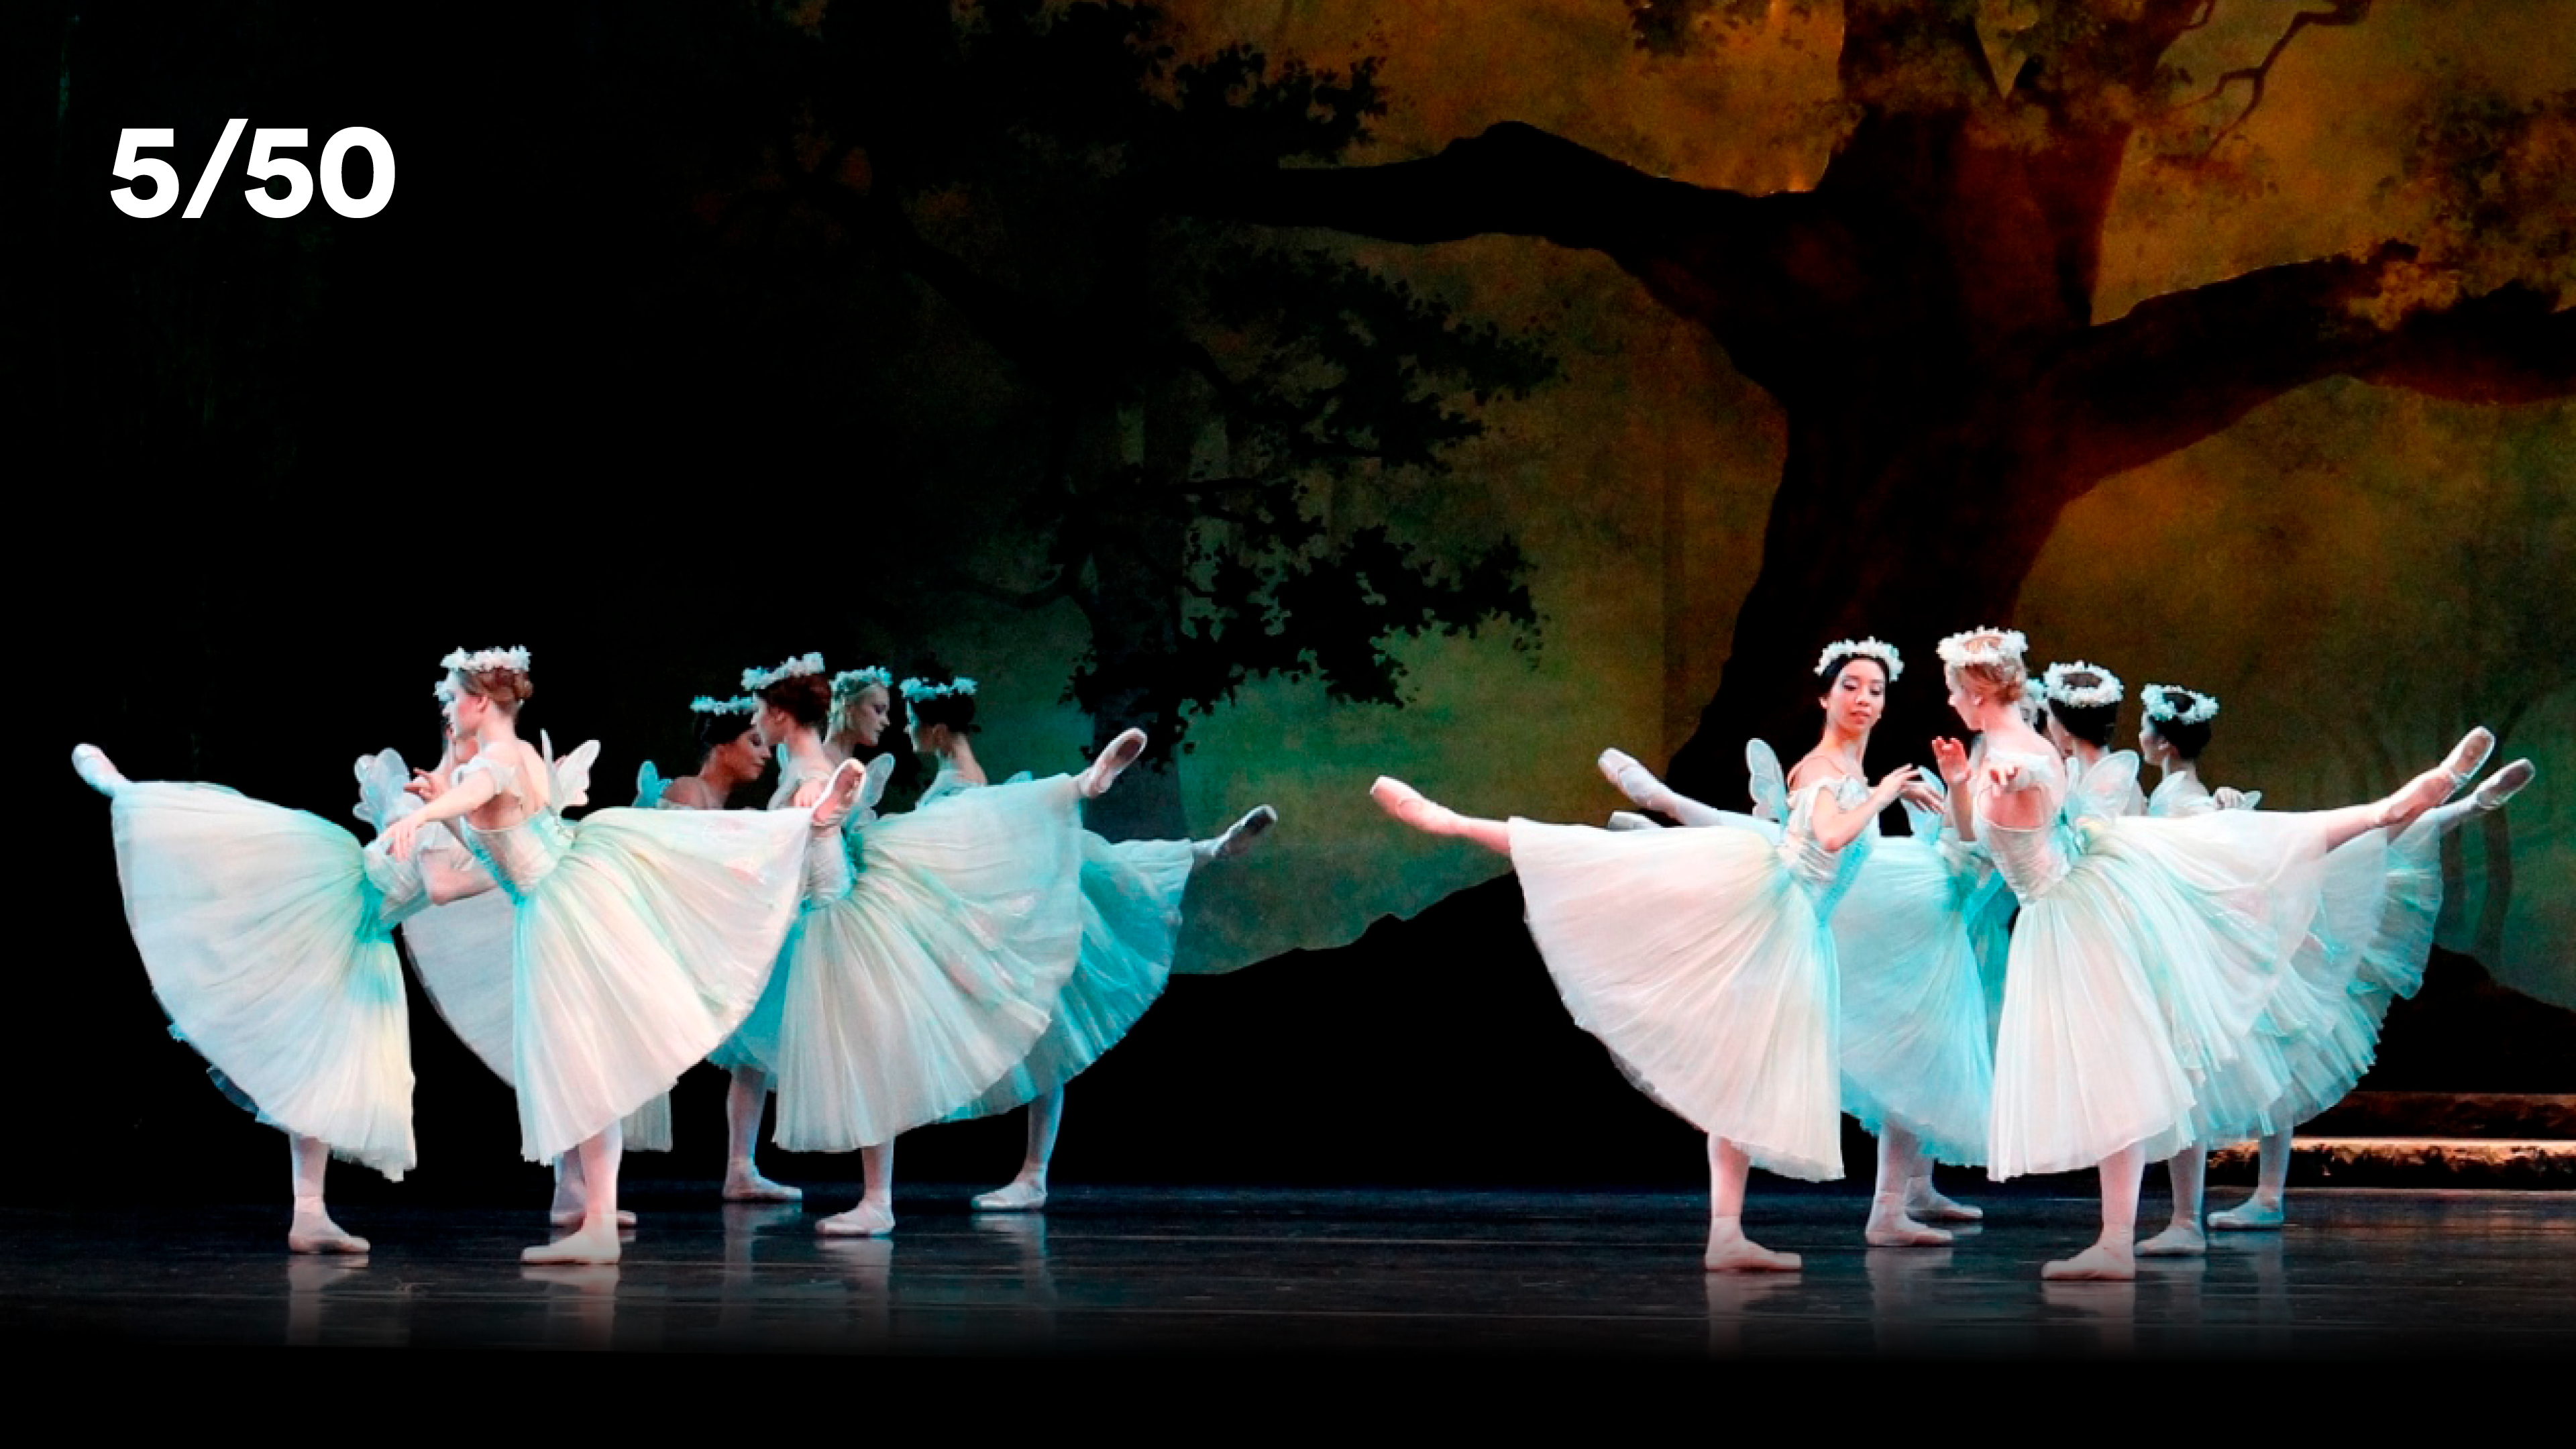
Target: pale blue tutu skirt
{"x": 261, "y": 933}
{"x": 1915, "y": 1046}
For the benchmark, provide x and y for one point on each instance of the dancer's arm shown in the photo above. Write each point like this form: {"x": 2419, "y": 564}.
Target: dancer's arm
{"x": 1951, "y": 758}
{"x": 1834, "y": 827}
{"x": 461, "y": 798}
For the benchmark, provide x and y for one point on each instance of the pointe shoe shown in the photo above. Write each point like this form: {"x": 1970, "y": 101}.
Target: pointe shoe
{"x": 1736, "y": 1253}
{"x": 1927, "y": 1203}
{"x": 2096, "y": 1264}
{"x": 1021, "y": 1196}
{"x": 1409, "y": 805}
{"x": 1239, "y": 837}
{"x": 1632, "y": 779}
{"x": 321, "y": 1235}
{"x": 2179, "y": 1241}
{"x": 2253, "y": 1215}
{"x": 595, "y": 1244}
{"x": 749, "y": 1186}
{"x": 91, "y": 764}
{"x": 571, "y": 1217}
{"x": 867, "y": 1220}
{"x": 2439, "y": 783}
{"x": 2503, "y": 785}
{"x": 1891, "y": 1226}
{"x": 1113, "y": 762}
{"x": 1631, "y": 820}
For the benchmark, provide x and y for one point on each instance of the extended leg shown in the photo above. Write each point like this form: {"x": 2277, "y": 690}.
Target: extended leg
{"x": 1729, "y": 1251}
{"x": 1900, "y": 1157}
{"x": 1405, "y": 803}
{"x": 2266, "y": 1210}
{"x": 91, "y": 764}
{"x": 1640, "y": 785}
{"x": 2183, "y": 1237}
{"x": 595, "y": 1241}
{"x": 2112, "y": 1257}
{"x": 1028, "y": 1192}
{"x": 745, "y": 1099}
{"x": 313, "y": 1231}
{"x": 874, "y": 1216}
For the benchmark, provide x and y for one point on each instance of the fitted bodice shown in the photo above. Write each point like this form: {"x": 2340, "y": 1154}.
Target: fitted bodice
{"x": 1828, "y": 874}
{"x": 2181, "y": 794}
{"x": 520, "y": 856}
{"x": 2035, "y": 858}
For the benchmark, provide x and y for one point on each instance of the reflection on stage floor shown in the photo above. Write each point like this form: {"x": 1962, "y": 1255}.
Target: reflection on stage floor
{"x": 1137, "y": 1271}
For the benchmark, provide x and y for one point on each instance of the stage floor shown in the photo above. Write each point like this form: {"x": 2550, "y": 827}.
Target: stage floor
{"x": 1387, "y": 1274}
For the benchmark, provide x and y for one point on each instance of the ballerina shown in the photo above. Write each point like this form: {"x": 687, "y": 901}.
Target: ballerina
{"x": 2381, "y": 904}
{"x": 268, "y": 936}
{"x": 929, "y": 953}
{"x": 1917, "y": 1060}
{"x": 1131, "y": 893}
{"x": 1701, "y": 959}
{"x": 642, "y": 937}
{"x": 2144, "y": 951}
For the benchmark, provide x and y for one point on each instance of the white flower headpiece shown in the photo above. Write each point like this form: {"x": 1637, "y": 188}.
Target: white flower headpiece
{"x": 445, "y": 690}
{"x": 850, "y": 682}
{"x": 2088, "y": 696}
{"x": 481, "y": 660}
{"x": 2162, "y": 705}
{"x": 1983, "y": 646}
{"x": 1878, "y": 649}
{"x": 763, "y": 678}
{"x": 924, "y": 689}
{"x": 704, "y": 704}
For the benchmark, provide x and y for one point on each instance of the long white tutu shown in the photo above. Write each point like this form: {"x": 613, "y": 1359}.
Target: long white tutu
{"x": 2136, "y": 994}
{"x": 262, "y": 934}
{"x": 1130, "y": 902}
{"x": 642, "y": 940}
{"x": 1697, "y": 958}
{"x": 916, "y": 984}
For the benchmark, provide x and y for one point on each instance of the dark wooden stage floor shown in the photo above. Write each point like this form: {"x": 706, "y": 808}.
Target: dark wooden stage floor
{"x": 1381, "y": 1274}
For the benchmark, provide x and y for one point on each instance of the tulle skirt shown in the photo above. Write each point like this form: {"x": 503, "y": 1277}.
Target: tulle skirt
{"x": 1131, "y": 925}
{"x": 1697, "y": 958}
{"x": 939, "y": 970}
{"x": 1915, "y": 1048}
{"x": 640, "y": 951}
{"x": 260, "y": 931}
{"x": 2142, "y": 1001}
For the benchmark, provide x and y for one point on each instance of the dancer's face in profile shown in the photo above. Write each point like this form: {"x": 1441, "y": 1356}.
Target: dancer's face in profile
{"x": 868, "y": 715}
{"x": 768, "y": 727}
{"x": 1963, "y": 700}
{"x": 1857, "y": 697}
{"x": 927, "y": 739}
{"x": 2153, "y": 749}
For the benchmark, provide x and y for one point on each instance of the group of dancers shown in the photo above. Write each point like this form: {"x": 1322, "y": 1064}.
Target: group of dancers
{"x": 875, "y": 974}
{"x": 2054, "y": 971}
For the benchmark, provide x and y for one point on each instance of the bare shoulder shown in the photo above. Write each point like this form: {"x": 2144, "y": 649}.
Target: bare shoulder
{"x": 693, "y": 793}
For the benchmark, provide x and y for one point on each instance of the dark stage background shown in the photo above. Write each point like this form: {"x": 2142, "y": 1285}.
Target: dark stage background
{"x": 662, "y": 368}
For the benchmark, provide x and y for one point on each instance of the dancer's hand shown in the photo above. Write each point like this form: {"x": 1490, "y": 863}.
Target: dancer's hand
{"x": 807, "y": 794}
{"x": 399, "y": 836}
{"x": 2228, "y": 797}
{"x": 1951, "y": 757}
{"x": 2005, "y": 775}
{"x": 426, "y": 785}
{"x": 1918, "y": 792}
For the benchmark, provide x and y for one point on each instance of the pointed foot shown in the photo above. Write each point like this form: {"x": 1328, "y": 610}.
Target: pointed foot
{"x": 2254, "y": 1215}
{"x": 92, "y": 765}
{"x": 747, "y": 1185}
{"x": 1242, "y": 835}
{"x": 2503, "y": 785}
{"x": 1113, "y": 762}
{"x": 1743, "y": 1255}
{"x": 316, "y": 1233}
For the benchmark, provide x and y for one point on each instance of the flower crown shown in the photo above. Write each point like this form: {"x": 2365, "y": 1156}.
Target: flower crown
{"x": 850, "y": 682}
{"x": 763, "y": 678}
{"x": 1878, "y": 649}
{"x": 2162, "y": 705}
{"x": 483, "y": 661}
{"x": 924, "y": 689}
{"x": 703, "y": 704}
{"x": 445, "y": 690}
{"x": 2085, "y": 696}
{"x": 2034, "y": 693}
{"x": 1983, "y": 646}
